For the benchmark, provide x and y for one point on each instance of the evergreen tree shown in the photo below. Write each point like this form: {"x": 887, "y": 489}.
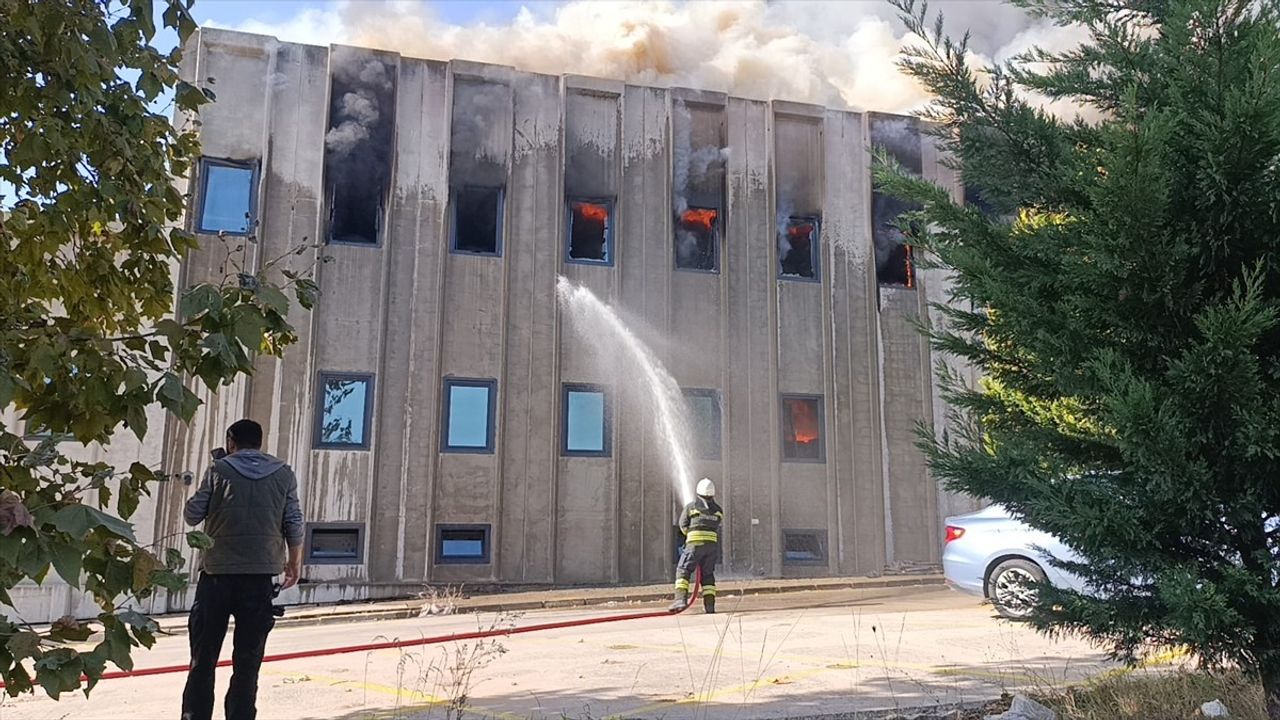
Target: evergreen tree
{"x": 1121, "y": 299}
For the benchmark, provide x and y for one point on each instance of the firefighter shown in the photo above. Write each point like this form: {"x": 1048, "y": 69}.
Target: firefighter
{"x": 700, "y": 523}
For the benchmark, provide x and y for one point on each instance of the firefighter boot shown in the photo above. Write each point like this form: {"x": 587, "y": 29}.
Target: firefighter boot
{"x": 682, "y": 599}
{"x": 709, "y": 604}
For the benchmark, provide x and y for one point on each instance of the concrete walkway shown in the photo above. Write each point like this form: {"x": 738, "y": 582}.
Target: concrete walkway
{"x": 559, "y": 599}
{"x": 821, "y": 653}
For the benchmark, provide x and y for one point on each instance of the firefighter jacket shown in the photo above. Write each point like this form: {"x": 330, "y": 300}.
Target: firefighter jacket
{"x": 700, "y": 522}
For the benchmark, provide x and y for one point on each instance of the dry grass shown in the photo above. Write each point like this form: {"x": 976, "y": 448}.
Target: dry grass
{"x": 1173, "y": 695}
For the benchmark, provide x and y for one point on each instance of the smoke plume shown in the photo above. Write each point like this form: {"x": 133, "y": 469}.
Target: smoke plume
{"x": 836, "y": 54}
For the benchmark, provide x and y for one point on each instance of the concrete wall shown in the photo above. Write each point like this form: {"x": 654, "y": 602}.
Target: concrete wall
{"x": 412, "y": 314}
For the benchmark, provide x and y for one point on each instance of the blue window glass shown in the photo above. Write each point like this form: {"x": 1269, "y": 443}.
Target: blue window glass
{"x": 344, "y": 407}
{"x": 586, "y": 421}
{"x": 462, "y": 544}
{"x": 469, "y": 406}
{"x": 227, "y": 203}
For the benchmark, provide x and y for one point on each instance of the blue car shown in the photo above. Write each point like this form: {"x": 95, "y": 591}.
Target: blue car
{"x": 993, "y": 555}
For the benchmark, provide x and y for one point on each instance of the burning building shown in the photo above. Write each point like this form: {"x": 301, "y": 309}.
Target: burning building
{"x": 444, "y": 424}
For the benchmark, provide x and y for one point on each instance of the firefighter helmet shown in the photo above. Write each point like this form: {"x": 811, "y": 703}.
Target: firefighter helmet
{"x": 706, "y": 488}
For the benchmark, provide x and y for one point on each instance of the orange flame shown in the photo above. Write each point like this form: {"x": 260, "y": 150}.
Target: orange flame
{"x": 911, "y": 266}
{"x": 804, "y": 422}
{"x": 699, "y": 218}
{"x": 802, "y": 232}
{"x": 591, "y": 211}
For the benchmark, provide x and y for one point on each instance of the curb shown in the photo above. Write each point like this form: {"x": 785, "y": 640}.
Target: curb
{"x": 496, "y": 604}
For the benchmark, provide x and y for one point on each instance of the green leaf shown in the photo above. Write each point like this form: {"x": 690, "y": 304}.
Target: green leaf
{"x": 270, "y": 296}
{"x": 67, "y": 561}
{"x": 144, "y": 564}
{"x": 59, "y": 671}
{"x": 199, "y": 540}
{"x": 176, "y": 398}
{"x": 136, "y": 417}
{"x": 13, "y": 513}
{"x": 200, "y": 299}
{"x": 95, "y": 664}
{"x": 24, "y": 644}
{"x": 116, "y": 644}
{"x": 174, "y": 559}
{"x": 7, "y": 389}
{"x": 78, "y": 519}
{"x": 134, "y": 378}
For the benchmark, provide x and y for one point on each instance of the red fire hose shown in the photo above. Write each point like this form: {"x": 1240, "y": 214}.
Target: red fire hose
{"x": 393, "y": 644}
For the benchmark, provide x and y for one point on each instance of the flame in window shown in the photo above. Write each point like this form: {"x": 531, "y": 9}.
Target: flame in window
{"x": 702, "y": 219}
{"x": 800, "y": 234}
{"x": 804, "y": 421}
{"x": 911, "y": 266}
{"x": 591, "y": 211}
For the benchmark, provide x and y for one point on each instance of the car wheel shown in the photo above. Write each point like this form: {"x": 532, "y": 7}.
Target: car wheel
{"x": 1010, "y": 589}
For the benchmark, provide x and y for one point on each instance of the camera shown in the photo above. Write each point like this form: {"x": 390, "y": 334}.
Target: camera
{"x": 276, "y": 610}
{"x": 217, "y": 453}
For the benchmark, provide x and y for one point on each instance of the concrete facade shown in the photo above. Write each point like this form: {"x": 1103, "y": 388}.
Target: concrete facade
{"x": 411, "y": 313}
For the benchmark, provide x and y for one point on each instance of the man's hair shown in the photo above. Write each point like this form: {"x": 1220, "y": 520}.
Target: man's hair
{"x": 246, "y": 434}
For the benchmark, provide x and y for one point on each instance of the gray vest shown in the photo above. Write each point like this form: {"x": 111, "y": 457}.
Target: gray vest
{"x": 246, "y": 520}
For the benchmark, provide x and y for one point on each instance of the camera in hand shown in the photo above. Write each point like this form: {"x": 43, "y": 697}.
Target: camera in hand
{"x": 217, "y": 453}
{"x": 276, "y": 610}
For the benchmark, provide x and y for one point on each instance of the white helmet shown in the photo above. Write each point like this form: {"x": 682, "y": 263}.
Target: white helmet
{"x": 706, "y": 488}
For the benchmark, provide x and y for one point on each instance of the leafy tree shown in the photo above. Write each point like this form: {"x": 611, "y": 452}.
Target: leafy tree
{"x": 88, "y": 340}
{"x": 1126, "y": 312}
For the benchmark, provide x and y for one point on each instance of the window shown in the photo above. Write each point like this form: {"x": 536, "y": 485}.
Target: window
{"x": 804, "y": 547}
{"x": 462, "y": 544}
{"x": 358, "y": 146}
{"x": 591, "y": 231}
{"x": 344, "y": 411}
{"x": 704, "y": 416}
{"x": 798, "y": 248}
{"x": 226, "y": 197}
{"x": 586, "y": 421}
{"x": 697, "y": 231}
{"x": 477, "y": 220}
{"x": 898, "y": 267}
{"x": 468, "y": 415}
{"x": 802, "y": 428}
{"x": 335, "y": 543}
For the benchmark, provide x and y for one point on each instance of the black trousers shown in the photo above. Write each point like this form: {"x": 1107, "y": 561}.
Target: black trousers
{"x": 247, "y": 598}
{"x": 701, "y": 557}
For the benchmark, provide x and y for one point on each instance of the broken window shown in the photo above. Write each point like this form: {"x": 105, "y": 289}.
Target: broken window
{"x": 333, "y": 544}
{"x": 591, "y": 231}
{"x": 343, "y": 411}
{"x": 898, "y": 266}
{"x": 462, "y": 544}
{"x": 798, "y": 248}
{"x": 586, "y": 420}
{"x": 477, "y": 220}
{"x": 226, "y": 197}
{"x": 704, "y": 417}
{"x": 804, "y": 547}
{"x": 802, "y": 428}
{"x": 468, "y": 415}
{"x": 358, "y": 147}
{"x": 697, "y": 246}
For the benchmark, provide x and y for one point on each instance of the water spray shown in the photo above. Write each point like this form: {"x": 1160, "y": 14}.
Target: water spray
{"x": 597, "y": 321}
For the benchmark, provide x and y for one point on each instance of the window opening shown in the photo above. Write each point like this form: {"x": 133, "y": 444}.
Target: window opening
{"x": 590, "y": 231}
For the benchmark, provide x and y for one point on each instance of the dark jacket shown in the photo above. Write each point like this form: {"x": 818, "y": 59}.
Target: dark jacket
{"x": 248, "y": 502}
{"x": 700, "y": 521}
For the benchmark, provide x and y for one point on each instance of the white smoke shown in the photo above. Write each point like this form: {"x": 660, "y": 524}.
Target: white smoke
{"x": 836, "y": 54}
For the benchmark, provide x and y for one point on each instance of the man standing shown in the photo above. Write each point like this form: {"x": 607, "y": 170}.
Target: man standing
{"x": 248, "y": 502}
{"x": 700, "y": 523}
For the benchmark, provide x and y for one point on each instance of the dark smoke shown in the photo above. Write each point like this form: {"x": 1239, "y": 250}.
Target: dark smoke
{"x": 697, "y": 172}
{"x": 359, "y": 144}
{"x": 900, "y": 136}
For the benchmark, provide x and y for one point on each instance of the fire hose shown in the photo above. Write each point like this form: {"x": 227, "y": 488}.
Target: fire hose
{"x": 394, "y": 644}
